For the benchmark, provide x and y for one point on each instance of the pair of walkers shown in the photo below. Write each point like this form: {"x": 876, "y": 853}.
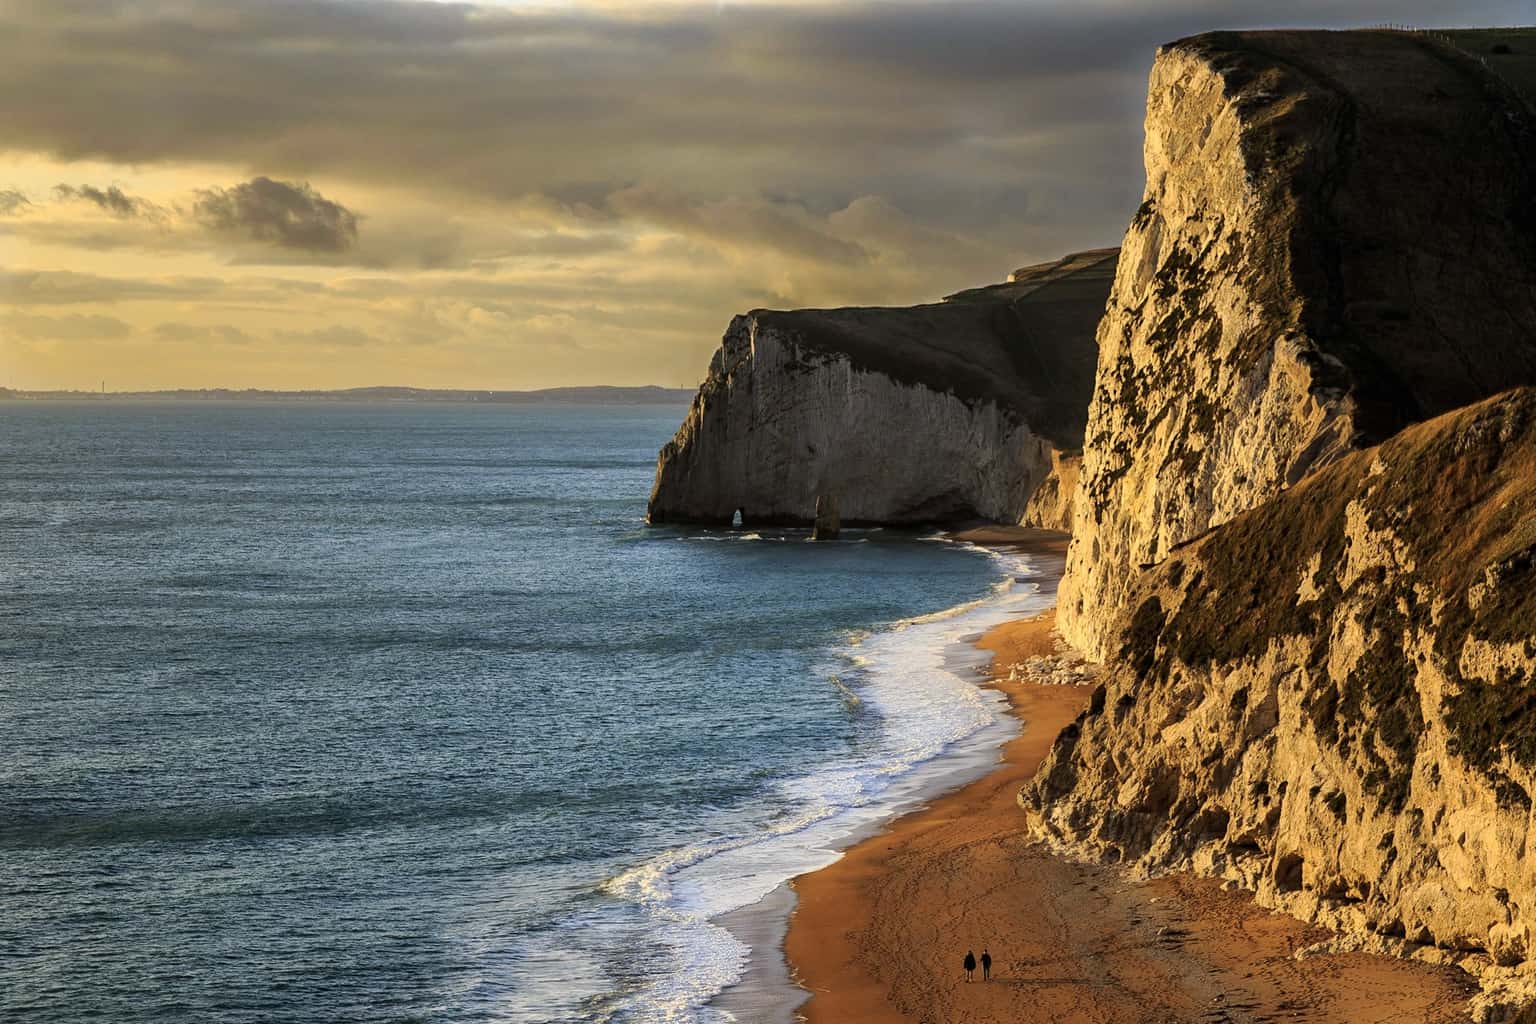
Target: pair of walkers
{"x": 986, "y": 965}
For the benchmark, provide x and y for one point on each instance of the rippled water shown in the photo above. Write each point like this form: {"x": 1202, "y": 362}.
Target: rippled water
{"x": 399, "y": 713}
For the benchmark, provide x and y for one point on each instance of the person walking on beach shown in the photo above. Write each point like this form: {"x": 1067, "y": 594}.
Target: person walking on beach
{"x": 986, "y": 965}
{"x": 970, "y": 965}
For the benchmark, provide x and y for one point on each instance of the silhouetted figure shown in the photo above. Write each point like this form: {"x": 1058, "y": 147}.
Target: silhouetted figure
{"x": 986, "y": 965}
{"x": 970, "y": 964}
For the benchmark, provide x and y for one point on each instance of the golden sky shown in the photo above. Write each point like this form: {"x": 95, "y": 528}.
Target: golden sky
{"x": 337, "y": 193}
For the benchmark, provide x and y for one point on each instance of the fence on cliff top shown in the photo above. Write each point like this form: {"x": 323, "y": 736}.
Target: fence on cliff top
{"x": 1441, "y": 37}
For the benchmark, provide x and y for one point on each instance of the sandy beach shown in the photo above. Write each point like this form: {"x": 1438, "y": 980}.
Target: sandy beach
{"x": 878, "y": 937}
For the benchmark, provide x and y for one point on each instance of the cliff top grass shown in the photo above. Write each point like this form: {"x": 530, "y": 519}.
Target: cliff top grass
{"x": 1509, "y": 52}
{"x": 1027, "y": 345}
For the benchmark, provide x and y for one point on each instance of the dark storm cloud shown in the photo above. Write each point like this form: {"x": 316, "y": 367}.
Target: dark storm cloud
{"x": 278, "y": 213}
{"x": 111, "y": 199}
{"x": 1018, "y": 122}
{"x": 947, "y": 109}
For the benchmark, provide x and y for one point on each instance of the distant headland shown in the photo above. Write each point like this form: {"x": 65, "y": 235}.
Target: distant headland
{"x": 649, "y": 395}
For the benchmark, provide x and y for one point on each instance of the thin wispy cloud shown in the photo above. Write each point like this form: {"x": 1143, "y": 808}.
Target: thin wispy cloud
{"x": 111, "y": 199}
{"x": 12, "y": 201}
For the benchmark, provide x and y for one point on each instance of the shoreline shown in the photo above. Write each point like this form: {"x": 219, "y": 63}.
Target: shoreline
{"x": 766, "y": 992}
{"x": 877, "y": 936}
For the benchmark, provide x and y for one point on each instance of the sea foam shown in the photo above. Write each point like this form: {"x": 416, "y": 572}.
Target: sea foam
{"x": 939, "y": 727}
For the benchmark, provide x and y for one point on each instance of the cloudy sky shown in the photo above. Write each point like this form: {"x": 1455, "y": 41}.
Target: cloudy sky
{"x": 330, "y": 193}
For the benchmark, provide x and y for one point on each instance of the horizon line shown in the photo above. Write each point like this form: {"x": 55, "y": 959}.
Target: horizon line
{"x": 361, "y": 391}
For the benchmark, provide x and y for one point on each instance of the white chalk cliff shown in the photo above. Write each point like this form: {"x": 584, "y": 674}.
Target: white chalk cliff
{"x": 1338, "y": 238}
{"x": 1304, "y": 536}
{"x": 1331, "y": 700}
{"x": 930, "y": 414}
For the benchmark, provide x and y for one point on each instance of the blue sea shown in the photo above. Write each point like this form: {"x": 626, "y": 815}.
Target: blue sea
{"x": 336, "y": 712}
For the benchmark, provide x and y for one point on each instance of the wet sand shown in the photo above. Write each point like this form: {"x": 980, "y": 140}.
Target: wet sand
{"x": 879, "y": 936}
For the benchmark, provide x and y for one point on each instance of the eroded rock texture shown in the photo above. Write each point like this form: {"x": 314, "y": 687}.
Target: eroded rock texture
{"x": 1050, "y": 507}
{"x": 929, "y": 414}
{"x": 1338, "y": 239}
{"x": 1332, "y": 700}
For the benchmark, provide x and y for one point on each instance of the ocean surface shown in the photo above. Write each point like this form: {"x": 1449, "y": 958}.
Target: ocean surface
{"x": 316, "y": 712}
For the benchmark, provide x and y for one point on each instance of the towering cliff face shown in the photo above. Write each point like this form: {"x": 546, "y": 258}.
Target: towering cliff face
{"x": 1337, "y": 240}
{"x": 1332, "y": 699}
{"x": 935, "y": 413}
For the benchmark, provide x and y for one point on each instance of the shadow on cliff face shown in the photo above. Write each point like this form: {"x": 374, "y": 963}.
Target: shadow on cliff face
{"x": 1338, "y": 239}
{"x": 931, "y": 414}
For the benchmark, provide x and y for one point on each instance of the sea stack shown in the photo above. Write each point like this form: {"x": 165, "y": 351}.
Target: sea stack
{"x": 828, "y": 522}
{"x": 932, "y": 414}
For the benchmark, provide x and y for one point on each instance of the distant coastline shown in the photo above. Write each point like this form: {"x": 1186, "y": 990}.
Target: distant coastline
{"x": 649, "y": 395}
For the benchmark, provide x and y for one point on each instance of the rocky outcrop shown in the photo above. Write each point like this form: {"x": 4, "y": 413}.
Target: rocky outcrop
{"x": 829, "y": 520}
{"x": 1050, "y": 507}
{"x": 1338, "y": 239}
{"x": 1332, "y": 700}
{"x": 937, "y": 413}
